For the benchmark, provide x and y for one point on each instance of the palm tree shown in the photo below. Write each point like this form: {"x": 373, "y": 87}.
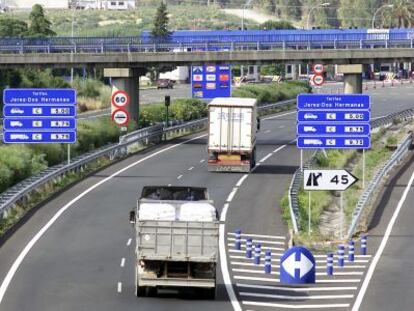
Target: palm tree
{"x": 401, "y": 15}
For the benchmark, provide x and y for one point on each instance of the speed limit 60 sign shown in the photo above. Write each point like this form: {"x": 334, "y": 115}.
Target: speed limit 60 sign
{"x": 120, "y": 99}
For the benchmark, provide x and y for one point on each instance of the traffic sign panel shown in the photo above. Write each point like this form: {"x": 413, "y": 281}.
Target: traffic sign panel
{"x": 333, "y": 101}
{"x": 120, "y": 117}
{"x": 318, "y": 68}
{"x": 334, "y": 115}
{"x": 297, "y": 266}
{"x": 333, "y": 142}
{"x": 120, "y": 99}
{"x": 39, "y": 96}
{"x": 39, "y": 111}
{"x": 313, "y": 129}
{"x": 39, "y": 137}
{"x": 339, "y": 180}
{"x": 18, "y": 124}
{"x": 318, "y": 80}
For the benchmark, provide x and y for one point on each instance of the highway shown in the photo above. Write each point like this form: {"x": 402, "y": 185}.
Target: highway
{"x": 82, "y": 258}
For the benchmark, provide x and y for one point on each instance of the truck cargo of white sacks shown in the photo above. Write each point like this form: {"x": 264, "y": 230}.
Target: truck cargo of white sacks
{"x": 200, "y": 211}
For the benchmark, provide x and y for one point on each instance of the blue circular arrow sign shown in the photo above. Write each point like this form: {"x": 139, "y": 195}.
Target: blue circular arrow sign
{"x": 297, "y": 266}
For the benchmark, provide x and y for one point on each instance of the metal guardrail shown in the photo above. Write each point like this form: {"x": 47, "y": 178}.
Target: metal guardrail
{"x": 154, "y": 133}
{"x": 119, "y": 45}
{"x": 298, "y": 175}
{"x": 396, "y": 157}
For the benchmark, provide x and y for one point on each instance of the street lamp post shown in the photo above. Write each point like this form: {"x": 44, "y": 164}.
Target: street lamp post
{"x": 379, "y": 9}
{"x": 75, "y": 4}
{"x": 314, "y": 8}
{"x": 248, "y": 2}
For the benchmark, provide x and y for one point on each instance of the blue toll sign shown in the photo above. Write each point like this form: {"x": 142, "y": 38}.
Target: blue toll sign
{"x": 312, "y": 129}
{"x": 33, "y": 137}
{"x": 297, "y": 266}
{"x": 334, "y": 101}
{"x": 210, "y": 81}
{"x": 333, "y": 115}
{"x": 334, "y": 142}
{"x": 39, "y": 116}
{"x": 340, "y": 121}
{"x": 36, "y": 124}
{"x": 39, "y": 96}
{"x": 39, "y": 111}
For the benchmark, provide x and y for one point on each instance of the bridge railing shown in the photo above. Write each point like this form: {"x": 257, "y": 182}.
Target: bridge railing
{"x": 112, "y": 45}
{"x": 127, "y": 144}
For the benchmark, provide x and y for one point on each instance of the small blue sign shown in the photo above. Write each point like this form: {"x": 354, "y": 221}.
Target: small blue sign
{"x": 312, "y": 129}
{"x": 334, "y": 116}
{"x": 334, "y": 142}
{"x": 39, "y": 137}
{"x": 39, "y": 111}
{"x": 334, "y": 101}
{"x": 37, "y": 124}
{"x": 39, "y": 96}
{"x": 210, "y": 81}
{"x": 297, "y": 266}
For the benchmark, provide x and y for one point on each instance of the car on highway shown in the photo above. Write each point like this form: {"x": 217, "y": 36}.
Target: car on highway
{"x": 165, "y": 84}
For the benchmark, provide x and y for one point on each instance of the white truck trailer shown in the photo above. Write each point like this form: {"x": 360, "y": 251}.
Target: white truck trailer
{"x": 232, "y": 134}
{"x": 177, "y": 233}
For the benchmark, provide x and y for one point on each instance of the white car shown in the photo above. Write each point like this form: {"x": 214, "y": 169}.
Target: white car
{"x": 311, "y": 116}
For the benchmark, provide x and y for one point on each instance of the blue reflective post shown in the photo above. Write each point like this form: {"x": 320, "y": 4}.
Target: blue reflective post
{"x": 329, "y": 264}
{"x": 268, "y": 262}
{"x": 249, "y": 244}
{"x": 237, "y": 243}
{"x": 351, "y": 251}
{"x": 257, "y": 251}
{"x": 341, "y": 253}
{"x": 364, "y": 245}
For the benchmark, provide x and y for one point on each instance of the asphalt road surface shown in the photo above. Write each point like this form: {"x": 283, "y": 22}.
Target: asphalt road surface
{"x": 83, "y": 257}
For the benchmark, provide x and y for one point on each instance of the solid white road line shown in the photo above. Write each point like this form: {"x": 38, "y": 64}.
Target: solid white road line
{"x": 244, "y": 257}
{"x": 263, "y": 242}
{"x": 191, "y": 168}
{"x": 381, "y": 248}
{"x": 122, "y": 262}
{"x": 231, "y": 195}
{"x": 264, "y": 248}
{"x": 290, "y": 297}
{"x": 278, "y": 237}
{"x": 129, "y": 242}
{"x": 253, "y": 271}
{"x": 224, "y": 212}
{"x": 16, "y": 264}
{"x": 335, "y": 256}
{"x": 240, "y": 182}
{"x": 297, "y": 289}
{"x": 301, "y": 306}
{"x": 260, "y": 271}
{"x": 274, "y": 280}
{"x": 266, "y": 157}
{"x": 202, "y": 160}
{"x": 119, "y": 287}
{"x": 278, "y": 116}
{"x": 180, "y": 176}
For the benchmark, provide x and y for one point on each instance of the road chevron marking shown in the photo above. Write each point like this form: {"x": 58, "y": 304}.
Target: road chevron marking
{"x": 16, "y": 264}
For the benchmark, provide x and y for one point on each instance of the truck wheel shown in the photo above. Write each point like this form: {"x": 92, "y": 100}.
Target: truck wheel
{"x": 150, "y": 291}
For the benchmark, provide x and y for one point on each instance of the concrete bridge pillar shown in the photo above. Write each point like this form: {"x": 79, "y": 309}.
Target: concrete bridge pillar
{"x": 352, "y": 78}
{"x": 126, "y": 79}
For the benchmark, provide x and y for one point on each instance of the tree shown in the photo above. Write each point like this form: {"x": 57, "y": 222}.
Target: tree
{"x": 10, "y": 27}
{"x": 40, "y": 26}
{"x": 277, "y": 25}
{"x": 160, "y": 31}
{"x": 401, "y": 15}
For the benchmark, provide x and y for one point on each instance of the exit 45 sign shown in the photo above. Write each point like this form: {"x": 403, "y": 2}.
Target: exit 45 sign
{"x": 328, "y": 180}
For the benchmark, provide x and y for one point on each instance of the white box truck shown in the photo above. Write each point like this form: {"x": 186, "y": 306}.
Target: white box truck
{"x": 232, "y": 134}
{"x": 177, "y": 232}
